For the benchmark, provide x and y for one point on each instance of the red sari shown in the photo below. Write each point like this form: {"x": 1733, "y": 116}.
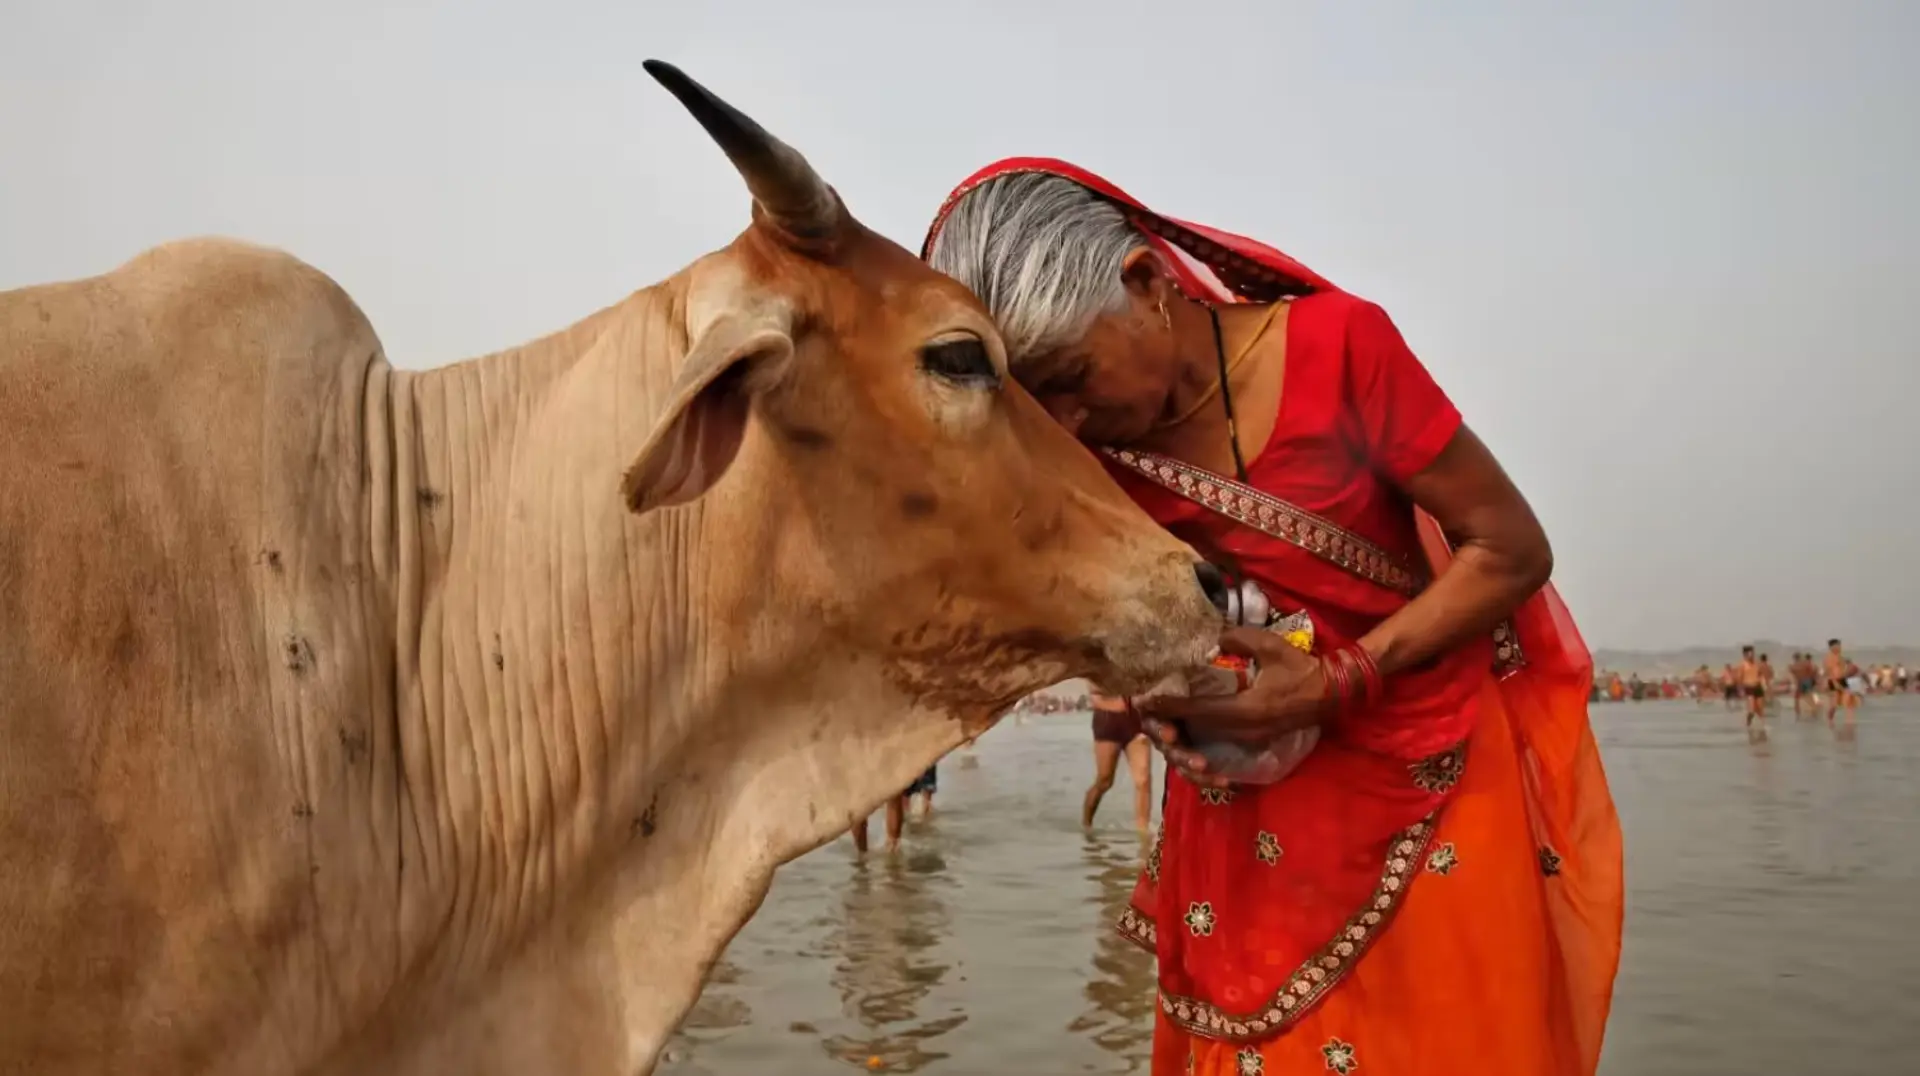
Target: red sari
{"x": 1437, "y": 888}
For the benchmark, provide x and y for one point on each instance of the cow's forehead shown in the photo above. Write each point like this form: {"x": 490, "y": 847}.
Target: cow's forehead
{"x": 867, "y": 270}
{"x": 931, "y": 299}
{"x": 913, "y": 290}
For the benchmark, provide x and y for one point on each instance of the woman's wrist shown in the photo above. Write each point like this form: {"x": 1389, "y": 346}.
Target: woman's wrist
{"x": 1380, "y": 646}
{"x": 1475, "y": 593}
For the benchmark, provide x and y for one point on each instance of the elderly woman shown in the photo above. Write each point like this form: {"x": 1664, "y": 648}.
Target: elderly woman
{"x": 1436, "y": 888}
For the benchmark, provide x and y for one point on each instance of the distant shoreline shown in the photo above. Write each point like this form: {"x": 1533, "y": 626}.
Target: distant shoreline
{"x": 1661, "y": 663}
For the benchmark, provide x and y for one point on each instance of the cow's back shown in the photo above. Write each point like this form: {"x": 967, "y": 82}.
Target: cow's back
{"x": 184, "y": 585}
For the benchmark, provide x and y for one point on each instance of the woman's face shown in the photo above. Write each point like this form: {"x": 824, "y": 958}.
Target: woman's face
{"x": 1112, "y": 385}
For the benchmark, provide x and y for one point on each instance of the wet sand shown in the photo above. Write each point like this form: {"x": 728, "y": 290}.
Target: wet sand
{"x": 1773, "y": 919}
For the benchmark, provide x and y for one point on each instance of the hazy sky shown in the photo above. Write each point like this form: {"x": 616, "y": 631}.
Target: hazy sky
{"x": 1663, "y": 255}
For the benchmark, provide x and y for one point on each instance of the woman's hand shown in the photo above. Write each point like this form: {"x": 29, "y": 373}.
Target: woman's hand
{"x": 1288, "y": 693}
{"x": 1180, "y": 755}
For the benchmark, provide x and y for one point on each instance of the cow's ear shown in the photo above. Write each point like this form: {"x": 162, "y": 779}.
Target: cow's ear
{"x": 699, "y": 431}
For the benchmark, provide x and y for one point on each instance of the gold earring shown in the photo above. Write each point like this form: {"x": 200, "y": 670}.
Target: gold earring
{"x": 1164, "y": 318}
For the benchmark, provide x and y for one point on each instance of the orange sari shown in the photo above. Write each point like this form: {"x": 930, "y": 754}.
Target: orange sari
{"x": 1438, "y": 887}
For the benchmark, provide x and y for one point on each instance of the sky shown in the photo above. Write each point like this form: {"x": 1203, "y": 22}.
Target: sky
{"x": 1662, "y": 255}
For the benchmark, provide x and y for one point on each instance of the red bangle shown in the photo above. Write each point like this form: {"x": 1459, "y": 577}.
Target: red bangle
{"x": 1339, "y": 685}
{"x": 1352, "y": 678}
{"x": 1375, "y": 685}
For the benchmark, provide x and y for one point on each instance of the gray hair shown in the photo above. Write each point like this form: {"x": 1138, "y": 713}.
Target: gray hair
{"x": 1042, "y": 252}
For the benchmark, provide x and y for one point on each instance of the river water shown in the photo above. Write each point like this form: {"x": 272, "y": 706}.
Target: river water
{"x": 1773, "y": 920}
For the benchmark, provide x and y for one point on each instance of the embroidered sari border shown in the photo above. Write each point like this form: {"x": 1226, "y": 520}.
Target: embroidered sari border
{"x": 1318, "y": 975}
{"x": 1315, "y": 977}
{"x": 1276, "y": 518}
{"x": 1303, "y": 530}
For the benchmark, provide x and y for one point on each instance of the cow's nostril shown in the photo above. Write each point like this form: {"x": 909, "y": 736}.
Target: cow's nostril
{"x": 1213, "y": 584}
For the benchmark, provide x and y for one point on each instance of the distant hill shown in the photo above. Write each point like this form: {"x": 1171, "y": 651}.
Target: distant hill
{"x": 1659, "y": 663}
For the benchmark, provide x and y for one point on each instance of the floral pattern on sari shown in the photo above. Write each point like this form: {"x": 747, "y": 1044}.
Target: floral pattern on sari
{"x": 1313, "y": 978}
{"x": 1438, "y": 773}
{"x": 1550, "y": 861}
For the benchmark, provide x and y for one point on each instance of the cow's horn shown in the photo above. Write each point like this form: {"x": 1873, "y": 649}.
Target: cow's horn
{"x": 789, "y": 192}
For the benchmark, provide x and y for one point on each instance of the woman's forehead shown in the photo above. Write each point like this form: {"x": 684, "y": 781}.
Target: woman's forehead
{"x": 1042, "y": 365}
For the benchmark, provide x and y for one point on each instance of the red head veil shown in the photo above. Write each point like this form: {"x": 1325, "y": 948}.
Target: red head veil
{"x": 1213, "y": 266}
{"x": 1208, "y": 265}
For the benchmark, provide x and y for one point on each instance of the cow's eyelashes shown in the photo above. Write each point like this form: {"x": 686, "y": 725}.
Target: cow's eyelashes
{"x": 962, "y": 359}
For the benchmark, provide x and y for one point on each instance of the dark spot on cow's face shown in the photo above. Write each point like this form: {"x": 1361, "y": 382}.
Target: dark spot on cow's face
{"x": 303, "y": 809}
{"x": 125, "y": 649}
{"x": 431, "y": 498}
{"x": 499, "y": 658}
{"x": 270, "y": 558}
{"x": 918, "y": 504}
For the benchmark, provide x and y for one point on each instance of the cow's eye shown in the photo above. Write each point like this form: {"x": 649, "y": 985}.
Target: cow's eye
{"x": 962, "y": 359}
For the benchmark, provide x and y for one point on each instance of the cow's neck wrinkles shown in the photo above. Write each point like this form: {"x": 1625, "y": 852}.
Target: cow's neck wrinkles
{"x": 608, "y": 716}
{"x": 542, "y": 610}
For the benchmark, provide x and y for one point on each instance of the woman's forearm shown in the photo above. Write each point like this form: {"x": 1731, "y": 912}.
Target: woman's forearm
{"x": 1501, "y": 559}
{"x": 1479, "y": 589}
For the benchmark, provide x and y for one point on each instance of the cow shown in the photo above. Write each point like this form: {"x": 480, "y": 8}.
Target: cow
{"x": 356, "y": 719}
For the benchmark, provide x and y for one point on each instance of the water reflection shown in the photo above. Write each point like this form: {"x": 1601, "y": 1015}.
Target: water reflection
{"x": 890, "y": 927}
{"x": 720, "y": 1008}
{"x": 1120, "y": 988}
{"x": 1769, "y": 912}
{"x": 1768, "y": 814}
